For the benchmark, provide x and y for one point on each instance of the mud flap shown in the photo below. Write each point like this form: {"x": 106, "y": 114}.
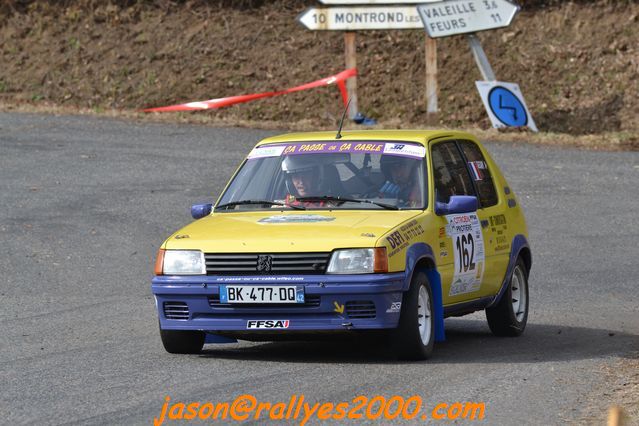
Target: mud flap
{"x": 436, "y": 288}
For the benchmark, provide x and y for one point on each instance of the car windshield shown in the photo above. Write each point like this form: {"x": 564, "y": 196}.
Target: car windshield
{"x": 329, "y": 175}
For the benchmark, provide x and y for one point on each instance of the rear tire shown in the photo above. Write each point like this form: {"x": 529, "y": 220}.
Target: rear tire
{"x": 414, "y": 338}
{"x": 182, "y": 341}
{"x": 510, "y": 315}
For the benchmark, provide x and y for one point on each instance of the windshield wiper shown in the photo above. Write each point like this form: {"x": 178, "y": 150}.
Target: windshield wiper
{"x": 346, "y": 200}
{"x": 270, "y": 203}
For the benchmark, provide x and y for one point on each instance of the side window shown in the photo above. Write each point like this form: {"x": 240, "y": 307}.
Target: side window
{"x": 480, "y": 173}
{"x": 450, "y": 172}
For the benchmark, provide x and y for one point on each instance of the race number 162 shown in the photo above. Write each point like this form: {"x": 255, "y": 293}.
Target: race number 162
{"x": 465, "y": 245}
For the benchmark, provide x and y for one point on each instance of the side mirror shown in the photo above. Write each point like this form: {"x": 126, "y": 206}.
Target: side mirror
{"x": 198, "y": 211}
{"x": 456, "y": 205}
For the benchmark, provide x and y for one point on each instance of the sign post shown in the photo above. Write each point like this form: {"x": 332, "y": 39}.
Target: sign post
{"x": 351, "y": 62}
{"x": 431, "y": 81}
{"x": 504, "y": 102}
{"x": 452, "y": 17}
{"x": 480, "y": 58}
{"x": 440, "y": 18}
{"x": 350, "y": 19}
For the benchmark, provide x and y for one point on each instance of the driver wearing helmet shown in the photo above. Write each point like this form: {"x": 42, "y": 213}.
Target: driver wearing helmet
{"x": 401, "y": 180}
{"x": 302, "y": 176}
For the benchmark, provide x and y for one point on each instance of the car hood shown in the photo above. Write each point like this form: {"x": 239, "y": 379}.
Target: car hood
{"x": 278, "y": 231}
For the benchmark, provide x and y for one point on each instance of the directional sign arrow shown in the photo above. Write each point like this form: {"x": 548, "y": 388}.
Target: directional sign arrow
{"x": 505, "y": 104}
{"x": 447, "y": 18}
{"x": 361, "y": 18}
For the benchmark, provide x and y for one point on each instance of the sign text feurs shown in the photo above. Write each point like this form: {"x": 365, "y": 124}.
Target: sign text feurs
{"x": 452, "y": 17}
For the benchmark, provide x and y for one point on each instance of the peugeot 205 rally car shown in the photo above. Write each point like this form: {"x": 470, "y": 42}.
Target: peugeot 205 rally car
{"x": 374, "y": 230}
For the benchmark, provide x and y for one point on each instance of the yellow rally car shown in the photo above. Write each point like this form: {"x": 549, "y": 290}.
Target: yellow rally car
{"x": 360, "y": 231}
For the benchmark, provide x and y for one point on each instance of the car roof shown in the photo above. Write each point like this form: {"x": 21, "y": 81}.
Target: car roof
{"x": 417, "y": 136}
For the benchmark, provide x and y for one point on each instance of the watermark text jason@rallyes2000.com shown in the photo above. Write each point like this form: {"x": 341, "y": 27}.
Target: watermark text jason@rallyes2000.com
{"x": 298, "y": 409}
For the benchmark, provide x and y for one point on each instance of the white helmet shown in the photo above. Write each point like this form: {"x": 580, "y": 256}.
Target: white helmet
{"x": 294, "y": 164}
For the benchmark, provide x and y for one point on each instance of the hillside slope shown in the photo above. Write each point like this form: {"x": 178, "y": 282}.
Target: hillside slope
{"x": 576, "y": 62}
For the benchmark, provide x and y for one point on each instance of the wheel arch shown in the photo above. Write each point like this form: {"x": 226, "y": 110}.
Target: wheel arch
{"x": 420, "y": 257}
{"x": 526, "y": 256}
{"x": 519, "y": 248}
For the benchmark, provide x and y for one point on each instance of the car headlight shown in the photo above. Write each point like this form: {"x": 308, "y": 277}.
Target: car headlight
{"x": 358, "y": 261}
{"x": 181, "y": 262}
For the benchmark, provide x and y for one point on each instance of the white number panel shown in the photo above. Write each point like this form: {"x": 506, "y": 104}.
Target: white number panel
{"x": 468, "y": 251}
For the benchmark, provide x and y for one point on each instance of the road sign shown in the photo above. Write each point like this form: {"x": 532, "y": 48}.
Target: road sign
{"x": 447, "y": 18}
{"x": 360, "y": 18}
{"x": 505, "y": 104}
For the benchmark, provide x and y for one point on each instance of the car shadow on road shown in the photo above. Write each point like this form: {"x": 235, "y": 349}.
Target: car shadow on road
{"x": 467, "y": 341}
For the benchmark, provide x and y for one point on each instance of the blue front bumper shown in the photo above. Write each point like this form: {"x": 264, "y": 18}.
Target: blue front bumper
{"x": 368, "y": 301}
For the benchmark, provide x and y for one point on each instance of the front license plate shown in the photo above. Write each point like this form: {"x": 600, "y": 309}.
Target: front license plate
{"x": 261, "y": 294}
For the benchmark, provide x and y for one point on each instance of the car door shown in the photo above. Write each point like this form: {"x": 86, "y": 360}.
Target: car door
{"x": 465, "y": 266}
{"x": 492, "y": 212}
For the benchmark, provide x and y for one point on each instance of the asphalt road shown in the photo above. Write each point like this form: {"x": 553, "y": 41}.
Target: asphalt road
{"x": 85, "y": 203}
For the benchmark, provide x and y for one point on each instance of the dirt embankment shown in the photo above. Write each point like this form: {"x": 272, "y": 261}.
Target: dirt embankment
{"x": 576, "y": 62}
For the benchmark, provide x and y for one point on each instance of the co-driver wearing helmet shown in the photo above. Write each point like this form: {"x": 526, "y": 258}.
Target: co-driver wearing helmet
{"x": 401, "y": 180}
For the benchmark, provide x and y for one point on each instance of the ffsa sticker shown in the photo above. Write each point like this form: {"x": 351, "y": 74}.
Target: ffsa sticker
{"x": 468, "y": 251}
{"x": 265, "y": 324}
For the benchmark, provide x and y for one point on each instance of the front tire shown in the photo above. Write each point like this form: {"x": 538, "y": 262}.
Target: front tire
{"x": 182, "y": 341}
{"x": 414, "y": 338}
{"x": 510, "y": 315}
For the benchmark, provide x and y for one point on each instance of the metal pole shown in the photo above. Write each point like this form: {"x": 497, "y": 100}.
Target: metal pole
{"x": 431, "y": 81}
{"x": 351, "y": 62}
{"x": 480, "y": 58}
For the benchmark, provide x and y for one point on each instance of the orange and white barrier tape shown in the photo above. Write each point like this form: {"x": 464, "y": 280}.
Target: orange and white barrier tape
{"x": 338, "y": 79}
